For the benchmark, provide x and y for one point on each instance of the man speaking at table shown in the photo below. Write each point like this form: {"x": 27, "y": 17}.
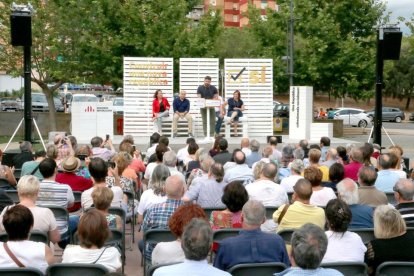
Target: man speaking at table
{"x": 207, "y": 91}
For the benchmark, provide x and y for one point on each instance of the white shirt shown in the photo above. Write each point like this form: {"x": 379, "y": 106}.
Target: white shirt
{"x": 321, "y": 197}
{"x": 87, "y": 201}
{"x": 167, "y": 252}
{"x": 264, "y": 159}
{"x": 402, "y": 174}
{"x": 277, "y": 155}
{"x": 182, "y": 154}
{"x": 288, "y": 182}
{"x": 267, "y": 192}
{"x": 111, "y": 258}
{"x": 190, "y": 268}
{"x": 148, "y": 198}
{"x": 29, "y": 253}
{"x": 346, "y": 247}
{"x": 148, "y": 171}
{"x": 246, "y": 151}
{"x": 174, "y": 171}
{"x": 150, "y": 151}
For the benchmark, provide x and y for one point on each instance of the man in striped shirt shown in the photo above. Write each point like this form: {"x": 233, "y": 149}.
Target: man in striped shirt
{"x": 404, "y": 193}
{"x": 53, "y": 193}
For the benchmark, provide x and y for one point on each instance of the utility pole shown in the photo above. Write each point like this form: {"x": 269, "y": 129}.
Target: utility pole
{"x": 291, "y": 28}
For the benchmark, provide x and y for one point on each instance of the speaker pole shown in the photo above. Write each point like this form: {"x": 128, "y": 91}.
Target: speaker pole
{"x": 378, "y": 87}
{"x": 27, "y": 94}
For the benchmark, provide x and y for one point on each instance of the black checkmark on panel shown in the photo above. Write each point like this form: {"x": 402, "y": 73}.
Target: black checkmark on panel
{"x": 239, "y": 74}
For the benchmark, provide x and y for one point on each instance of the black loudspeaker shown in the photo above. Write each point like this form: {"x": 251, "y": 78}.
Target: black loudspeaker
{"x": 278, "y": 138}
{"x": 392, "y": 45}
{"x": 21, "y": 30}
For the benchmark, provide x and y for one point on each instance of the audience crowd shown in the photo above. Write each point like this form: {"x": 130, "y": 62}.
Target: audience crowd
{"x": 324, "y": 194}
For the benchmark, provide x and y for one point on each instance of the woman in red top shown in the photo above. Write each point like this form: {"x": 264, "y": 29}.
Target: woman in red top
{"x": 160, "y": 108}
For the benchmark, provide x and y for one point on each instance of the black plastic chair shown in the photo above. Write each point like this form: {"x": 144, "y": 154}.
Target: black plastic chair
{"x": 35, "y": 235}
{"x": 256, "y": 269}
{"x": 395, "y": 268}
{"x": 13, "y": 195}
{"x": 391, "y": 198}
{"x": 121, "y": 212}
{"x": 270, "y": 210}
{"x": 78, "y": 196}
{"x": 348, "y": 268}
{"x": 131, "y": 198}
{"x": 5, "y": 184}
{"x": 156, "y": 236}
{"x": 20, "y": 271}
{"x": 286, "y": 235}
{"x": 221, "y": 234}
{"x": 152, "y": 269}
{"x": 366, "y": 234}
{"x": 76, "y": 269}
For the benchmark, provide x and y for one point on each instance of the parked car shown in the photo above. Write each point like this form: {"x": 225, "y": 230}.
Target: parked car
{"x": 411, "y": 118}
{"x": 39, "y": 103}
{"x": 352, "y": 117}
{"x": 9, "y": 104}
{"x": 118, "y": 105}
{"x": 389, "y": 114}
{"x": 58, "y": 104}
{"x": 281, "y": 110}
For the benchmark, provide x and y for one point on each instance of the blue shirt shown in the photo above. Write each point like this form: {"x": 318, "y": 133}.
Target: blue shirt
{"x": 386, "y": 180}
{"x": 252, "y": 158}
{"x": 251, "y": 246}
{"x": 232, "y": 104}
{"x": 319, "y": 272}
{"x": 362, "y": 216}
{"x": 181, "y": 105}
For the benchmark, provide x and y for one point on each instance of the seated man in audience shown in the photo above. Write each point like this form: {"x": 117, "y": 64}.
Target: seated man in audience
{"x": 245, "y": 146}
{"x": 362, "y": 215}
{"x": 99, "y": 150}
{"x": 56, "y": 194}
{"x": 182, "y": 154}
{"x": 224, "y": 155}
{"x": 301, "y": 211}
{"x": 251, "y": 245}
{"x": 24, "y": 156}
{"x": 98, "y": 169}
{"x": 367, "y": 192}
{"x": 296, "y": 170}
{"x": 77, "y": 183}
{"x": 404, "y": 193}
{"x": 169, "y": 159}
{"x": 331, "y": 157}
{"x": 324, "y": 143}
{"x": 163, "y": 141}
{"x": 356, "y": 159}
{"x": 287, "y": 158}
{"x": 387, "y": 177}
{"x": 267, "y": 156}
{"x": 277, "y": 155}
{"x": 240, "y": 172}
{"x": 157, "y": 216}
{"x": 196, "y": 242}
{"x": 254, "y": 156}
{"x": 32, "y": 167}
{"x": 309, "y": 244}
{"x": 201, "y": 174}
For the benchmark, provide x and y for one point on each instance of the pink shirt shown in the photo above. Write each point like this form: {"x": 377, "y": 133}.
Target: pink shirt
{"x": 351, "y": 170}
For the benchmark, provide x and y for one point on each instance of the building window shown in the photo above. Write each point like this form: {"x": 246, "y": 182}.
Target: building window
{"x": 213, "y": 2}
{"x": 235, "y": 6}
{"x": 263, "y": 4}
{"x": 235, "y": 18}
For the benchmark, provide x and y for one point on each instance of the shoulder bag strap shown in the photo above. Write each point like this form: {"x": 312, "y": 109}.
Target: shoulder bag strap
{"x": 100, "y": 255}
{"x": 35, "y": 169}
{"x": 12, "y": 256}
{"x": 282, "y": 214}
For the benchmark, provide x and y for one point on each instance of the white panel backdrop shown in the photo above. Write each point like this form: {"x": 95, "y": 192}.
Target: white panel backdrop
{"x": 142, "y": 76}
{"x": 254, "y": 79}
{"x": 192, "y": 73}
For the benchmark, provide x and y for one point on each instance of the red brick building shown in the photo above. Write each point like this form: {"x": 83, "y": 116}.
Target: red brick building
{"x": 233, "y": 10}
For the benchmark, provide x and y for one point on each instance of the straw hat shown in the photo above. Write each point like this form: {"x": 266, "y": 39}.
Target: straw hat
{"x": 71, "y": 164}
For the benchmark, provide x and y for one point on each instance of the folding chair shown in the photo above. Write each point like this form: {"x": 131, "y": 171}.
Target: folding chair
{"x": 131, "y": 197}
{"x": 286, "y": 235}
{"x": 270, "y": 210}
{"x": 391, "y": 198}
{"x": 13, "y": 195}
{"x": 152, "y": 269}
{"x": 121, "y": 212}
{"x": 76, "y": 269}
{"x": 348, "y": 268}
{"x": 20, "y": 271}
{"x": 222, "y": 234}
{"x": 4, "y": 184}
{"x": 60, "y": 214}
{"x": 209, "y": 210}
{"x": 366, "y": 234}
{"x": 395, "y": 268}
{"x": 78, "y": 196}
{"x": 17, "y": 174}
{"x": 35, "y": 235}
{"x": 156, "y": 236}
{"x": 257, "y": 269}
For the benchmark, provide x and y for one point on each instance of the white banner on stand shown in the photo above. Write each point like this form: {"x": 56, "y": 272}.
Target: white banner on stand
{"x": 300, "y": 112}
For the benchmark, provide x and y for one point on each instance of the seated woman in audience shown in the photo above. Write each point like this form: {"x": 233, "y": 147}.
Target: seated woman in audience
{"x": 215, "y": 149}
{"x": 343, "y": 157}
{"x": 320, "y": 195}
{"x": 18, "y": 221}
{"x": 258, "y": 169}
{"x": 234, "y": 197}
{"x": 155, "y": 193}
{"x": 7, "y": 174}
{"x": 399, "y": 166}
{"x": 84, "y": 153}
{"x": 93, "y": 231}
{"x": 169, "y": 252}
{"x": 393, "y": 242}
{"x": 137, "y": 165}
{"x": 336, "y": 174}
{"x": 102, "y": 198}
{"x": 192, "y": 149}
{"x": 44, "y": 220}
{"x": 208, "y": 193}
{"x": 195, "y": 164}
{"x": 343, "y": 246}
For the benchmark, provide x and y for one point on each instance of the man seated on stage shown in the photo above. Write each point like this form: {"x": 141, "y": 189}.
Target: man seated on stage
{"x": 181, "y": 107}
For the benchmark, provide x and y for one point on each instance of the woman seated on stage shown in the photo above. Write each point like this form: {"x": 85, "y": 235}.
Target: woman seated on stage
{"x": 236, "y": 108}
{"x": 160, "y": 108}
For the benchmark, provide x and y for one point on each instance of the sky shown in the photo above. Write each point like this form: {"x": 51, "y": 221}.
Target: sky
{"x": 398, "y": 8}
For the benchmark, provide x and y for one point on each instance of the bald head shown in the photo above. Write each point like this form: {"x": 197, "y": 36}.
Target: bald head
{"x": 303, "y": 190}
{"x": 267, "y": 151}
{"x": 174, "y": 187}
{"x": 332, "y": 154}
{"x": 405, "y": 189}
{"x": 239, "y": 157}
{"x": 245, "y": 143}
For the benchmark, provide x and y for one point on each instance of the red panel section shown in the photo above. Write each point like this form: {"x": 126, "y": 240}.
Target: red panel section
{"x": 231, "y": 24}
{"x": 235, "y": 12}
